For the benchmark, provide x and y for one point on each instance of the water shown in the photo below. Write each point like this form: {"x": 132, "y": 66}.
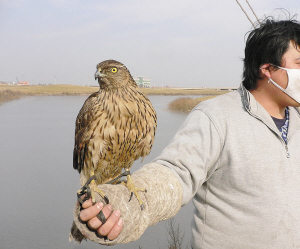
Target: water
{"x": 38, "y": 183}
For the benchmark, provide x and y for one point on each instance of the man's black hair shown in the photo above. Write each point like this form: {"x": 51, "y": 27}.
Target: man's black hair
{"x": 267, "y": 44}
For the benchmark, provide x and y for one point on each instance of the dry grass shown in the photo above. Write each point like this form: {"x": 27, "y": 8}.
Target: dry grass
{"x": 186, "y": 104}
{"x": 8, "y": 95}
{"x": 182, "y": 91}
{"x": 176, "y": 236}
{"x": 51, "y": 89}
{"x": 76, "y": 90}
{"x": 10, "y": 92}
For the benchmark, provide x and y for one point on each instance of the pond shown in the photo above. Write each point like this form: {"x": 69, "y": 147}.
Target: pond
{"x": 38, "y": 183}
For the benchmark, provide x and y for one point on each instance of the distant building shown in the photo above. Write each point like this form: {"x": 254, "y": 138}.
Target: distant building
{"x": 142, "y": 81}
{"x": 23, "y": 83}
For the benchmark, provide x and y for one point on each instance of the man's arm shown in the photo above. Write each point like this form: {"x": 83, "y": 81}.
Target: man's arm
{"x": 162, "y": 201}
{"x": 171, "y": 181}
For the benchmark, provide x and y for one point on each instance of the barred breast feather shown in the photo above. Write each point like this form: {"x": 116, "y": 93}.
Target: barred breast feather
{"x": 113, "y": 129}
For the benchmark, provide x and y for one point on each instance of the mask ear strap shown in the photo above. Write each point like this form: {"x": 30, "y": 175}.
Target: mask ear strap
{"x": 279, "y": 67}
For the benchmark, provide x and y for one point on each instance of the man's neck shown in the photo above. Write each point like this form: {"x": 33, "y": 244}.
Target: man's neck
{"x": 268, "y": 99}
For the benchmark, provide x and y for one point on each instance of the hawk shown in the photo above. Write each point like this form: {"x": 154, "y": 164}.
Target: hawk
{"x": 114, "y": 127}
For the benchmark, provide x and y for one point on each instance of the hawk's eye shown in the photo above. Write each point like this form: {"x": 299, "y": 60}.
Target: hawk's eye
{"x": 114, "y": 70}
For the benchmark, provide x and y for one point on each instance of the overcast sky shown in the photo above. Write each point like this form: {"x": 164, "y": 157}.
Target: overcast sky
{"x": 187, "y": 43}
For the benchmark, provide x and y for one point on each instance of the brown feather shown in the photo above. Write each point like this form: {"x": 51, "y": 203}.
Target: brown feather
{"x": 114, "y": 127}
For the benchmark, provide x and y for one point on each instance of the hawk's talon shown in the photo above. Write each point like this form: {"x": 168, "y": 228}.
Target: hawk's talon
{"x": 133, "y": 189}
{"x": 89, "y": 188}
{"x": 131, "y": 194}
{"x": 106, "y": 199}
{"x": 83, "y": 191}
{"x": 94, "y": 189}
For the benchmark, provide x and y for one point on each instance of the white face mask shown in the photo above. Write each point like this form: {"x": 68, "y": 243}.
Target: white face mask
{"x": 293, "y": 87}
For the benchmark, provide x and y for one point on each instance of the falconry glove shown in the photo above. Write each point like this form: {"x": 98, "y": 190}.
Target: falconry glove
{"x": 162, "y": 201}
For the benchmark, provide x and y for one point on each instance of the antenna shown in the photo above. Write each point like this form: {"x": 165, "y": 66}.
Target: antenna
{"x": 247, "y": 14}
{"x": 253, "y": 11}
{"x": 87, "y": 82}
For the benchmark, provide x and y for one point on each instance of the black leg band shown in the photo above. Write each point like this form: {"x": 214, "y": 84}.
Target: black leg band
{"x": 101, "y": 217}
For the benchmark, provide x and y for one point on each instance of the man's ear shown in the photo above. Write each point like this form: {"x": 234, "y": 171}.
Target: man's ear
{"x": 265, "y": 70}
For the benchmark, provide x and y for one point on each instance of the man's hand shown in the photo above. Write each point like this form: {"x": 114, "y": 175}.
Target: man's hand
{"x": 113, "y": 224}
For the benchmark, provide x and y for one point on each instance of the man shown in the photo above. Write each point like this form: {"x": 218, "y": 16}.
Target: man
{"x": 237, "y": 156}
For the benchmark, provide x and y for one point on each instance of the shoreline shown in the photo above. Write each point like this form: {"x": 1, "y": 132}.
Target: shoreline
{"x": 13, "y": 92}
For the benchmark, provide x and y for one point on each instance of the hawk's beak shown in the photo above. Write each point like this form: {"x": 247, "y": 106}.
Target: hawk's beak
{"x": 98, "y": 74}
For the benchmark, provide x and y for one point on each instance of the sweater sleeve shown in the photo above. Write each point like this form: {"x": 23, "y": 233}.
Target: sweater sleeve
{"x": 193, "y": 153}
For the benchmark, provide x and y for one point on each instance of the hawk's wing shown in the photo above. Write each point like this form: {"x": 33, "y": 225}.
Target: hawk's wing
{"x": 112, "y": 130}
{"x": 84, "y": 121}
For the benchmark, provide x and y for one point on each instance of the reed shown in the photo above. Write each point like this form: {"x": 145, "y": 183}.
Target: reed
{"x": 186, "y": 104}
{"x": 8, "y": 95}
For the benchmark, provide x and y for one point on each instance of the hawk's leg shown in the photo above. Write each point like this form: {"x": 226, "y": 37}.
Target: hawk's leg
{"x": 93, "y": 188}
{"x": 134, "y": 190}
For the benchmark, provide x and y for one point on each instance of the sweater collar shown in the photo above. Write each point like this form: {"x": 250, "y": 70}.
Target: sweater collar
{"x": 256, "y": 110}
{"x": 253, "y": 107}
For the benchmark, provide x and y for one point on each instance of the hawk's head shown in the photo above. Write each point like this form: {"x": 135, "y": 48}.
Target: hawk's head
{"x": 113, "y": 74}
